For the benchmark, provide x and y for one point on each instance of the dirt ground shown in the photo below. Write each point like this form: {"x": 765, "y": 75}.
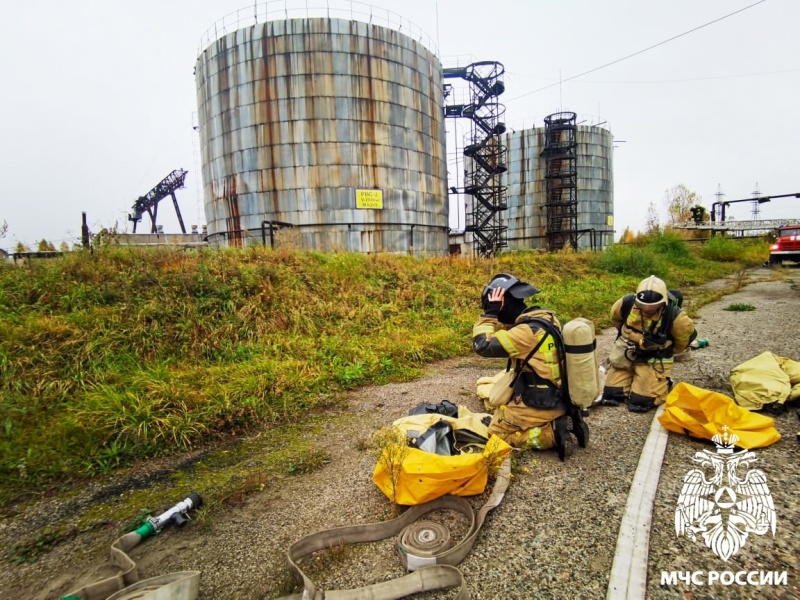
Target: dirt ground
{"x": 554, "y": 535}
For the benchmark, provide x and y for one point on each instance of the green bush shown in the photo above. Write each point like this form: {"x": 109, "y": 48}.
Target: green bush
{"x": 748, "y": 252}
{"x": 721, "y": 248}
{"x": 671, "y": 247}
{"x": 631, "y": 260}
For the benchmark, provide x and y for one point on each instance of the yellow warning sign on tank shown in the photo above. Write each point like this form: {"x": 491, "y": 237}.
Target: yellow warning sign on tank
{"x": 369, "y": 199}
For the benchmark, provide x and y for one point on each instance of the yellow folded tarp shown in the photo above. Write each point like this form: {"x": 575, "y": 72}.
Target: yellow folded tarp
{"x": 765, "y": 379}
{"x": 702, "y": 413}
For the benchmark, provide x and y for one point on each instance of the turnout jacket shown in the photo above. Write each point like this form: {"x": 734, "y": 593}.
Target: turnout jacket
{"x": 492, "y": 339}
{"x": 678, "y": 334}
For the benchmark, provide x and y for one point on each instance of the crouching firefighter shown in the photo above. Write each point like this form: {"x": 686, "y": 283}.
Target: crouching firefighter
{"x": 651, "y": 329}
{"x": 536, "y": 412}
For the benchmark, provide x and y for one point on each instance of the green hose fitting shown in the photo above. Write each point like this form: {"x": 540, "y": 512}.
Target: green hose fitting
{"x": 146, "y": 530}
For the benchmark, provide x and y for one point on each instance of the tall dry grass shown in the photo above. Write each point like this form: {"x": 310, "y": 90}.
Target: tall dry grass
{"x": 127, "y": 353}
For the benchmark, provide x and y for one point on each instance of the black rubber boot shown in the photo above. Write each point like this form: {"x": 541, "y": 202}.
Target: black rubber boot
{"x": 613, "y": 396}
{"x": 564, "y": 444}
{"x": 640, "y": 404}
{"x": 579, "y": 428}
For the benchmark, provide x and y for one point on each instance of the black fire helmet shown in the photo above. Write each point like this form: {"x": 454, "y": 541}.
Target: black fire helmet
{"x": 513, "y": 286}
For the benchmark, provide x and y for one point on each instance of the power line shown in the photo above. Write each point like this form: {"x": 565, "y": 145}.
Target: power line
{"x": 613, "y": 62}
{"x": 561, "y": 81}
{"x": 713, "y": 77}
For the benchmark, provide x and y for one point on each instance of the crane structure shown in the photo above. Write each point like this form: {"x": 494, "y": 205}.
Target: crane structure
{"x": 149, "y": 202}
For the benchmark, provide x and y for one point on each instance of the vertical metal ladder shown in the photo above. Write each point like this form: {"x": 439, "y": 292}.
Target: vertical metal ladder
{"x": 561, "y": 180}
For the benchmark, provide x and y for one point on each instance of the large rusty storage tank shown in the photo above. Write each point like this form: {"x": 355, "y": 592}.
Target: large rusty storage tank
{"x": 527, "y": 191}
{"x": 331, "y": 126}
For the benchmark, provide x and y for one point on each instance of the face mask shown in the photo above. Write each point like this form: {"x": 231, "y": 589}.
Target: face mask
{"x": 512, "y": 308}
{"x": 650, "y": 312}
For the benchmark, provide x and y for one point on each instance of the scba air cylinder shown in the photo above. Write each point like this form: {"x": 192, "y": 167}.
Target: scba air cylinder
{"x": 582, "y": 363}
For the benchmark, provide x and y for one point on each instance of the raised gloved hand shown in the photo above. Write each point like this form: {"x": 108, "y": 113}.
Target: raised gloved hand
{"x": 494, "y": 302}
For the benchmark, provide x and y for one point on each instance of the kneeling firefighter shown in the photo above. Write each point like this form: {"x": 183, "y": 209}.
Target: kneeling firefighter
{"x": 652, "y": 328}
{"x": 537, "y": 412}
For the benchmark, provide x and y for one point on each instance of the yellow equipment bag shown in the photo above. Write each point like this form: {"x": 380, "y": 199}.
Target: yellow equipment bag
{"x": 423, "y": 476}
{"x": 414, "y": 425}
{"x": 765, "y": 379}
{"x": 702, "y": 413}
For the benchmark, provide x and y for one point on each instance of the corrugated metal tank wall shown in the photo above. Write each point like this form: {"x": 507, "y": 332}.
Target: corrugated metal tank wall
{"x": 296, "y": 115}
{"x": 525, "y": 178}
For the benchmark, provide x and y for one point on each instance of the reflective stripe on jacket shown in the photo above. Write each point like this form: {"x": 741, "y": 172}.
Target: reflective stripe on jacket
{"x": 492, "y": 339}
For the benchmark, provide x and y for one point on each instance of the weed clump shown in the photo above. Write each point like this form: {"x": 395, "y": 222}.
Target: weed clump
{"x": 739, "y": 307}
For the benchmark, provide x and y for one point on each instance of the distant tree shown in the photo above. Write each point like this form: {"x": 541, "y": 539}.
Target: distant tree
{"x": 20, "y": 247}
{"x": 627, "y": 236}
{"x": 652, "y": 223}
{"x": 105, "y": 237}
{"x": 679, "y": 201}
{"x": 45, "y": 246}
{"x": 64, "y": 247}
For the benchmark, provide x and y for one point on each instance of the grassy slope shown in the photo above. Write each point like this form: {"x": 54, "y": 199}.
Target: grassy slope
{"x": 128, "y": 353}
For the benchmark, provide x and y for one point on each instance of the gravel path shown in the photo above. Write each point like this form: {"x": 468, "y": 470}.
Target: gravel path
{"x": 555, "y": 533}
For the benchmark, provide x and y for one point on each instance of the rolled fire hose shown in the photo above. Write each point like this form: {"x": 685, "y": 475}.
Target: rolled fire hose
{"x": 182, "y": 585}
{"x": 423, "y": 547}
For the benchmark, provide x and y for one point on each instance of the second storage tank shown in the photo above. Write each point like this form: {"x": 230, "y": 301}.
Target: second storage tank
{"x": 527, "y": 193}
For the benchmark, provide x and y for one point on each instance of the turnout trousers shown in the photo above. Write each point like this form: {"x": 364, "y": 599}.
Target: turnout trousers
{"x": 645, "y": 383}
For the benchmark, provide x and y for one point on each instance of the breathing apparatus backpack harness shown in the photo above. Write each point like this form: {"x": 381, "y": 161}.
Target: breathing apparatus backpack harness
{"x": 519, "y": 365}
{"x": 655, "y": 338}
{"x": 560, "y": 397}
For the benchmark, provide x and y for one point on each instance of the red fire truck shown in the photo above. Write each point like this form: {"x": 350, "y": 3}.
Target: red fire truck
{"x": 786, "y": 245}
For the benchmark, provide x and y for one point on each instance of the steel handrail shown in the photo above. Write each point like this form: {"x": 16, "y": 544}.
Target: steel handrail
{"x": 276, "y": 10}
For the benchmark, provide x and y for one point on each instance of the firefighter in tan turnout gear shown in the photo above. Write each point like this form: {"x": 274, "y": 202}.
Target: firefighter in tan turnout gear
{"x": 652, "y": 328}
{"x": 535, "y": 414}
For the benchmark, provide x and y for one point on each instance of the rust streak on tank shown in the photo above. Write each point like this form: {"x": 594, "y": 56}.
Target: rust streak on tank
{"x": 270, "y": 118}
{"x": 371, "y": 119}
{"x": 233, "y": 220}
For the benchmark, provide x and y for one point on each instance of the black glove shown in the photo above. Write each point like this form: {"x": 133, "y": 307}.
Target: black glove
{"x": 492, "y": 309}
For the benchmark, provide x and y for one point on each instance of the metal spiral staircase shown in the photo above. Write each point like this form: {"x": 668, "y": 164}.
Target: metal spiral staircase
{"x": 487, "y": 153}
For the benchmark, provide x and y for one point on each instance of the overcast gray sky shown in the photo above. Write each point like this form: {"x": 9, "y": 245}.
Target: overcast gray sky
{"x": 98, "y": 97}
